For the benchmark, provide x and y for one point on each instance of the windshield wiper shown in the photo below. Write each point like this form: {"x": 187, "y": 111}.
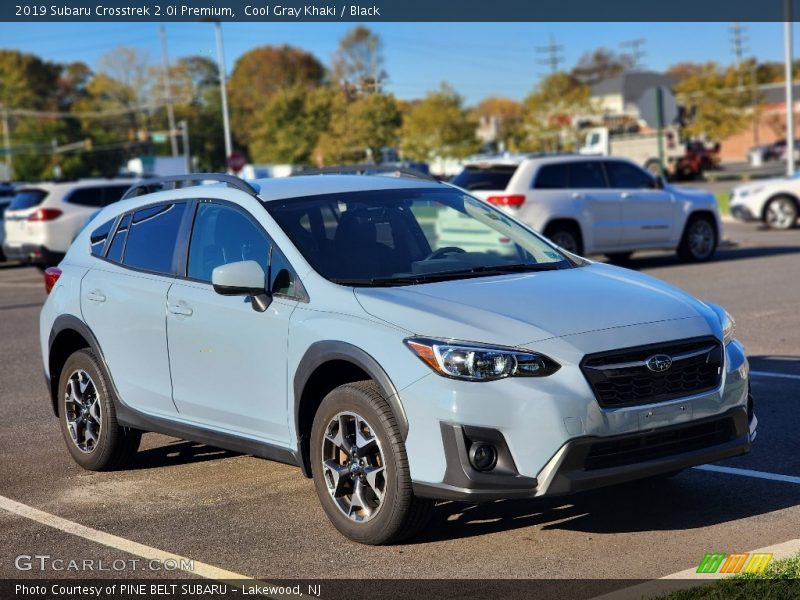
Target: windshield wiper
{"x": 483, "y": 270}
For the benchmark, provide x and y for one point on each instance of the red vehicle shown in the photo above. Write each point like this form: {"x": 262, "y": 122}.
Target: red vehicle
{"x": 698, "y": 158}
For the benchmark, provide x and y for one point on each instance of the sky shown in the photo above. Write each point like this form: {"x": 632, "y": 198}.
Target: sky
{"x": 477, "y": 59}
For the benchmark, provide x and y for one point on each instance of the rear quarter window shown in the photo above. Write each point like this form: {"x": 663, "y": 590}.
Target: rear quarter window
{"x": 99, "y": 237}
{"x": 485, "y": 178}
{"x": 24, "y": 199}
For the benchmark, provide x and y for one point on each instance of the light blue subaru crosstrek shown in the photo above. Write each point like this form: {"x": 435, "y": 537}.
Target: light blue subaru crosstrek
{"x": 319, "y": 322}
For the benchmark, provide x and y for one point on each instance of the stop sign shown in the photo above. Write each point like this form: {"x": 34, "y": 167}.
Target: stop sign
{"x": 236, "y": 161}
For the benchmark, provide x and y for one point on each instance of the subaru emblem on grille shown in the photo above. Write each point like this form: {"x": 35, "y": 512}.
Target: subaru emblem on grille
{"x": 658, "y": 363}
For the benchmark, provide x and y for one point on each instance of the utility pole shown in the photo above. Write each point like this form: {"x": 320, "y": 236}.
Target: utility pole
{"x": 738, "y": 45}
{"x": 636, "y": 53}
{"x": 7, "y": 144}
{"x": 787, "y": 57}
{"x": 184, "y": 125}
{"x": 223, "y": 91}
{"x": 552, "y": 54}
{"x": 168, "y": 92}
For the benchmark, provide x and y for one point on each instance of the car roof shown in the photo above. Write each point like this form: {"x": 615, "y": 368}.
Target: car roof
{"x": 315, "y": 185}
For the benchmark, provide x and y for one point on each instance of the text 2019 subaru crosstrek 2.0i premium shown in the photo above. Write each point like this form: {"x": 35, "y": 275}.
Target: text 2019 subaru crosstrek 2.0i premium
{"x": 318, "y": 321}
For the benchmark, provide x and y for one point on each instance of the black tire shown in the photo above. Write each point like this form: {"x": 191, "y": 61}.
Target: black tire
{"x": 619, "y": 258}
{"x": 781, "y": 213}
{"x": 699, "y": 240}
{"x": 400, "y": 514}
{"x": 567, "y": 236}
{"x": 115, "y": 445}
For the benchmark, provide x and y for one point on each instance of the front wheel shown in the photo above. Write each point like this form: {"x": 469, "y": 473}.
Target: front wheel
{"x": 566, "y": 236}
{"x": 781, "y": 213}
{"x": 88, "y": 419}
{"x": 699, "y": 241}
{"x": 360, "y": 467}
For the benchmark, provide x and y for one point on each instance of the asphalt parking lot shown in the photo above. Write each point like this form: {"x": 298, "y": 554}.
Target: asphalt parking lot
{"x": 263, "y": 519}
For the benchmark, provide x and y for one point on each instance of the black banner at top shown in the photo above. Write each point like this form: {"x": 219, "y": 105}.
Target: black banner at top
{"x": 400, "y": 10}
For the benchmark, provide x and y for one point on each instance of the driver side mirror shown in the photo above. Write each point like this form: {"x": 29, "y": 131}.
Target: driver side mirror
{"x": 244, "y": 278}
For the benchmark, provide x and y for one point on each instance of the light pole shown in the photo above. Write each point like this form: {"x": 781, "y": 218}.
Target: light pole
{"x": 787, "y": 51}
{"x": 168, "y": 92}
{"x": 184, "y": 125}
{"x": 223, "y": 90}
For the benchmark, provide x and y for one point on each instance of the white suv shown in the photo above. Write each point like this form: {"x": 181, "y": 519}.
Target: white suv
{"x": 43, "y": 219}
{"x": 604, "y": 205}
{"x": 322, "y": 322}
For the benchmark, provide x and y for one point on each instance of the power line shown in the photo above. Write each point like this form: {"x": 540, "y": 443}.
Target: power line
{"x": 89, "y": 114}
{"x": 552, "y": 54}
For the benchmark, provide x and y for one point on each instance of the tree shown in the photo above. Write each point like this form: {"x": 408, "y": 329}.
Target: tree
{"x": 288, "y": 127}
{"x": 685, "y": 69}
{"x": 549, "y": 110}
{"x": 358, "y": 62}
{"x": 438, "y": 125}
{"x": 718, "y": 102}
{"x": 600, "y": 64}
{"x": 359, "y": 132}
{"x": 263, "y": 72}
{"x": 507, "y": 114}
{"x": 26, "y": 81}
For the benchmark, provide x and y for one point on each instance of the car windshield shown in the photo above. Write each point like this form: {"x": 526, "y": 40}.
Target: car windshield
{"x": 409, "y": 236}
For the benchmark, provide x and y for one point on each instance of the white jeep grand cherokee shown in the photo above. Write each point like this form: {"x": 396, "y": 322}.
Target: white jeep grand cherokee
{"x": 598, "y": 205}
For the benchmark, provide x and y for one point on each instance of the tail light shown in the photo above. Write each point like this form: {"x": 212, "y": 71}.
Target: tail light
{"x": 513, "y": 200}
{"x": 51, "y": 275}
{"x": 44, "y": 214}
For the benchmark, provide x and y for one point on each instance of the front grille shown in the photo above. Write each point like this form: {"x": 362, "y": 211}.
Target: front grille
{"x": 659, "y": 444}
{"x": 621, "y": 377}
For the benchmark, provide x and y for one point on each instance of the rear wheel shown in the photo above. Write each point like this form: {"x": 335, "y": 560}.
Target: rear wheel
{"x": 699, "y": 241}
{"x": 781, "y": 213}
{"x": 360, "y": 467}
{"x": 653, "y": 167}
{"x": 565, "y": 235}
{"x": 88, "y": 419}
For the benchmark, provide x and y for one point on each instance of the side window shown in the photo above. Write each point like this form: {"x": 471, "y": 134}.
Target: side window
{"x": 152, "y": 237}
{"x": 113, "y": 193}
{"x": 223, "y": 235}
{"x": 98, "y": 238}
{"x": 586, "y": 174}
{"x": 118, "y": 243}
{"x": 622, "y": 175}
{"x": 551, "y": 177}
{"x": 88, "y": 196}
{"x": 282, "y": 278}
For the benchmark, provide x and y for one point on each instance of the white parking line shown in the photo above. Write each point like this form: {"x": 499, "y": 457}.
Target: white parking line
{"x": 776, "y": 375}
{"x": 749, "y": 473}
{"x": 112, "y": 541}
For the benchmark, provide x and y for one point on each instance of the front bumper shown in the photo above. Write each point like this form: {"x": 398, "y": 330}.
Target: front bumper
{"x": 553, "y": 429}
{"x": 742, "y": 213}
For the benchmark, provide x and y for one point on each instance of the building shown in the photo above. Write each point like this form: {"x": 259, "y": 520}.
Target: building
{"x": 621, "y": 94}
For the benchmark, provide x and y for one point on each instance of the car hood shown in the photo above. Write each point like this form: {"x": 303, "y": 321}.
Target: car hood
{"x": 694, "y": 195}
{"x": 524, "y": 308}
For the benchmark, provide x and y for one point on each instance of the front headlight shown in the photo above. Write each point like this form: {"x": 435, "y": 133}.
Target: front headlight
{"x": 479, "y": 362}
{"x": 726, "y": 320}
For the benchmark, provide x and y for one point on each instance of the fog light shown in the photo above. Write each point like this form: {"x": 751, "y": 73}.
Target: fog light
{"x": 482, "y": 456}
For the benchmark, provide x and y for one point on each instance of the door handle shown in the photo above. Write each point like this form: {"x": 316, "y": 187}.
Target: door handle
{"x": 96, "y": 296}
{"x": 626, "y": 195}
{"x": 180, "y": 309}
{"x": 577, "y": 195}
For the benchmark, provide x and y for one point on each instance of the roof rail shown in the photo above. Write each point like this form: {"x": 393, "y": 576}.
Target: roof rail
{"x": 366, "y": 170}
{"x": 146, "y": 186}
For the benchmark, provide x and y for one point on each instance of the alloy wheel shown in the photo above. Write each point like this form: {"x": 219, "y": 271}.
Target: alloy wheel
{"x": 565, "y": 240}
{"x": 781, "y": 213}
{"x": 82, "y": 411}
{"x": 701, "y": 239}
{"x": 353, "y": 466}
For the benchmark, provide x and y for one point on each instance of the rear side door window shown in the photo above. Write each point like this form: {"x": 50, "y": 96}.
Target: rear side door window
{"x": 152, "y": 236}
{"x": 622, "y": 175}
{"x": 587, "y": 174}
{"x": 552, "y": 177}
